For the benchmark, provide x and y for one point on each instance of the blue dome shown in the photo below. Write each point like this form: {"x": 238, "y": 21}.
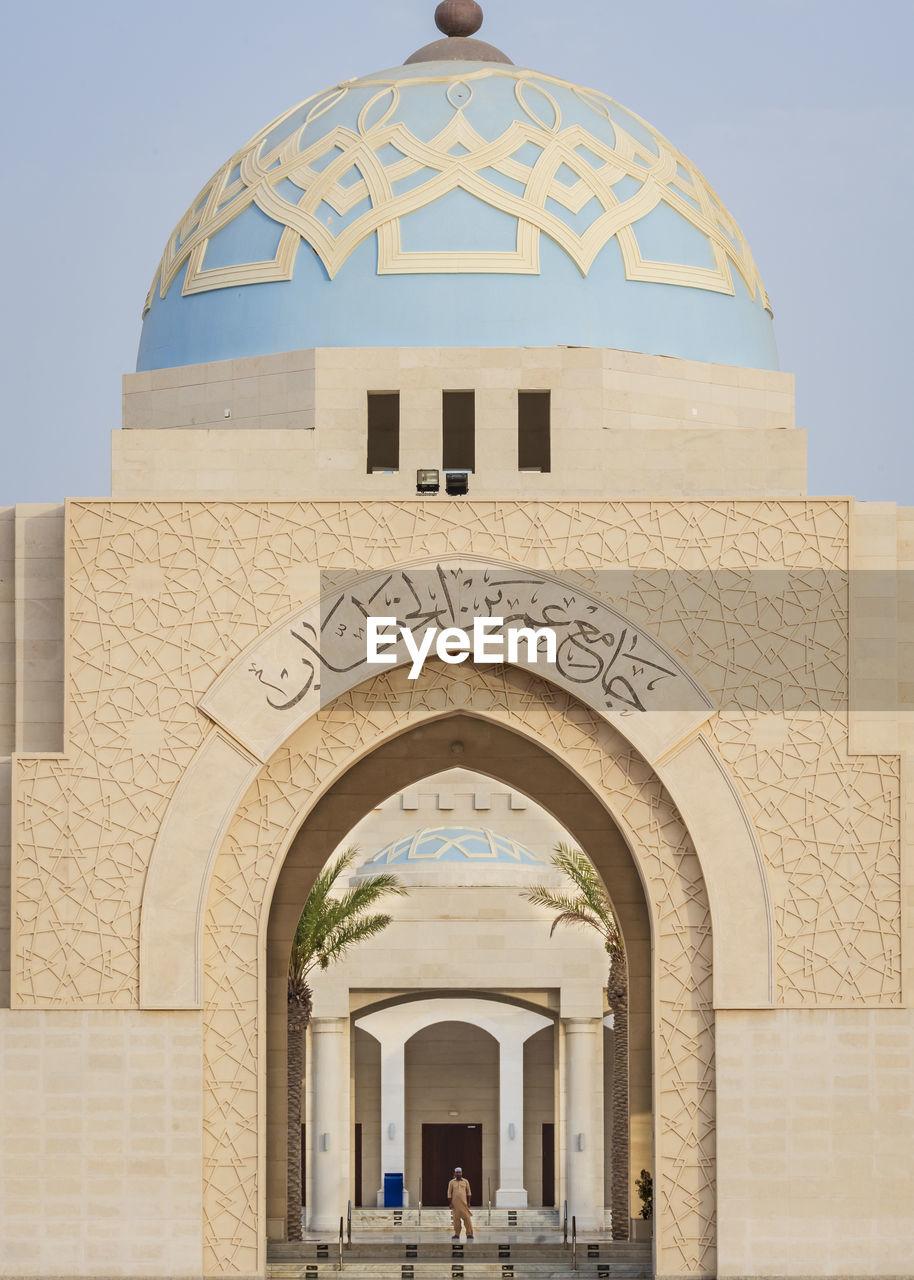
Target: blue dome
{"x": 455, "y": 204}
{"x": 454, "y": 844}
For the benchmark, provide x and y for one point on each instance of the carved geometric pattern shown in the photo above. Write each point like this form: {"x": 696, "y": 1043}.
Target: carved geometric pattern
{"x": 830, "y": 832}
{"x": 580, "y": 186}
{"x": 257, "y": 841}
{"x": 163, "y": 595}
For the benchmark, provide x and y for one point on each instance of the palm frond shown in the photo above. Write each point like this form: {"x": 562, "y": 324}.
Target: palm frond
{"x": 581, "y": 873}
{"x": 543, "y": 897}
{"x": 588, "y": 906}
{"x": 578, "y": 917}
{"x": 349, "y": 935}
{"x": 333, "y": 921}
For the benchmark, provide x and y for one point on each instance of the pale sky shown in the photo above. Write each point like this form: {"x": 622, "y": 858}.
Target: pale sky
{"x": 799, "y": 112}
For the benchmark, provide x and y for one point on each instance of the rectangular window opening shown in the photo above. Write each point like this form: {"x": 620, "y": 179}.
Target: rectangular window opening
{"x": 533, "y": 430}
{"x": 458, "y": 420}
{"x": 383, "y": 431}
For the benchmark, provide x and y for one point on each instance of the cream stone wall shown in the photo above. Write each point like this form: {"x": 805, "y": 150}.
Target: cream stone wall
{"x": 906, "y": 734}
{"x": 40, "y": 629}
{"x": 32, "y": 648}
{"x": 875, "y": 655}
{"x": 294, "y": 425}
{"x": 100, "y": 1144}
{"x": 815, "y": 1133}
{"x": 7, "y": 631}
{"x": 7, "y": 730}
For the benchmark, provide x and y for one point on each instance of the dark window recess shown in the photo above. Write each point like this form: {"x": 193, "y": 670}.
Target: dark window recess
{"x": 459, "y": 430}
{"x": 383, "y": 431}
{"x": 533, "y": 413}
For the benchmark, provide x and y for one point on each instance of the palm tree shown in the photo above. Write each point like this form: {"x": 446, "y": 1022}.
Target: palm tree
{"x": 588, "y": 906}
{"x": 330, "y": 924}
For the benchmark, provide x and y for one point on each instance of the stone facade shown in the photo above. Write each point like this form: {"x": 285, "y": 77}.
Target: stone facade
{"x": 808, "y": 723}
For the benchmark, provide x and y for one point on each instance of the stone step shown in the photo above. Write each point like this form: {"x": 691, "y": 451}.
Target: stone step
{"x": 487, "y": 1260}
{"x": 522, "y": 1270}
{"x": 487, "y": 1249}
{"x": 536, "y": 1222}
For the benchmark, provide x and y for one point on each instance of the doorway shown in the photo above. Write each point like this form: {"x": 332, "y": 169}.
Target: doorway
{"x": 444, "y": 1146}
{"x": 548, "y": 1166}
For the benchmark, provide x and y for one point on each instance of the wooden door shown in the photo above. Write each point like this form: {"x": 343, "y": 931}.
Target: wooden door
{"x": 548, "y": 1166}
{"x": 444, "y": 1146}
{"x": 358, "y": 1166}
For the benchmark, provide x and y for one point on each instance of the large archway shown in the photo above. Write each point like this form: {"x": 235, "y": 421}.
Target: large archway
{"x": 519, "y": 760}
{"x": 610, "y": 778}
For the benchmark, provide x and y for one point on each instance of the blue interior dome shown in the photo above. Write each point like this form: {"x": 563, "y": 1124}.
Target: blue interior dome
{"x": 454, "y": 844}
{"x": 453, "y": 204}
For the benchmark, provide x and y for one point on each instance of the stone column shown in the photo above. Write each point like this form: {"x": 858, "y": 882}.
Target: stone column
{"x": 511, "y": 1191}
{"x": 393, "y": 1111}
{"x": 328, "y": 1137}
{"x": 584, "y": 1121}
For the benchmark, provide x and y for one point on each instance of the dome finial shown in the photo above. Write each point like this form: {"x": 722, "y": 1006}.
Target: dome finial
{"x": 458, "y": 17}
{"x": 459, "y": 20}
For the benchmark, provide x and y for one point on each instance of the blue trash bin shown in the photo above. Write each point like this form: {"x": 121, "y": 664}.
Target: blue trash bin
{"x": 393, "y": 1191}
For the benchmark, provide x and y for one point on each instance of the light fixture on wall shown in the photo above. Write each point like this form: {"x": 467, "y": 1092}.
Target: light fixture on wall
{"x": 325, "y": 1142}
{"x": 427, "y": 480}
{"x": 580, "y": 1142}
{"x": 512, "y": 1132}
{"x": 391, "y": 1131}
{"x": 453, "y": 1113}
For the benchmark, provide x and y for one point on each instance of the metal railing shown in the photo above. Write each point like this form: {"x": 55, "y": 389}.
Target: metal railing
{"x": 565, "y": 1226}
{"x": 341, "y": 1244}
{"x": 574, "y": 1244}
{"x": 348, "y": 1224}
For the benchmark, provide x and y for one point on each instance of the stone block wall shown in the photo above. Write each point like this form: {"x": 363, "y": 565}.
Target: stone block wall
{"x": 40, "y": 632}
{"x": 7, "y": 731}
{"x": 815, "y": 1126}
{"x": 101, "y": 1151}
{"x": 295, "y": 425}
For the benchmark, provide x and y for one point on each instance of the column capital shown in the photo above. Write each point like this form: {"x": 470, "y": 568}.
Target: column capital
{"x": 328, "y": 1026}
{"x": 582, "y": 1024}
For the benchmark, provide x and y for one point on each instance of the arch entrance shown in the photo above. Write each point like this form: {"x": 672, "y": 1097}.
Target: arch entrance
{"x": 499, "y": 752}
{"x": 540, "y": 740}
